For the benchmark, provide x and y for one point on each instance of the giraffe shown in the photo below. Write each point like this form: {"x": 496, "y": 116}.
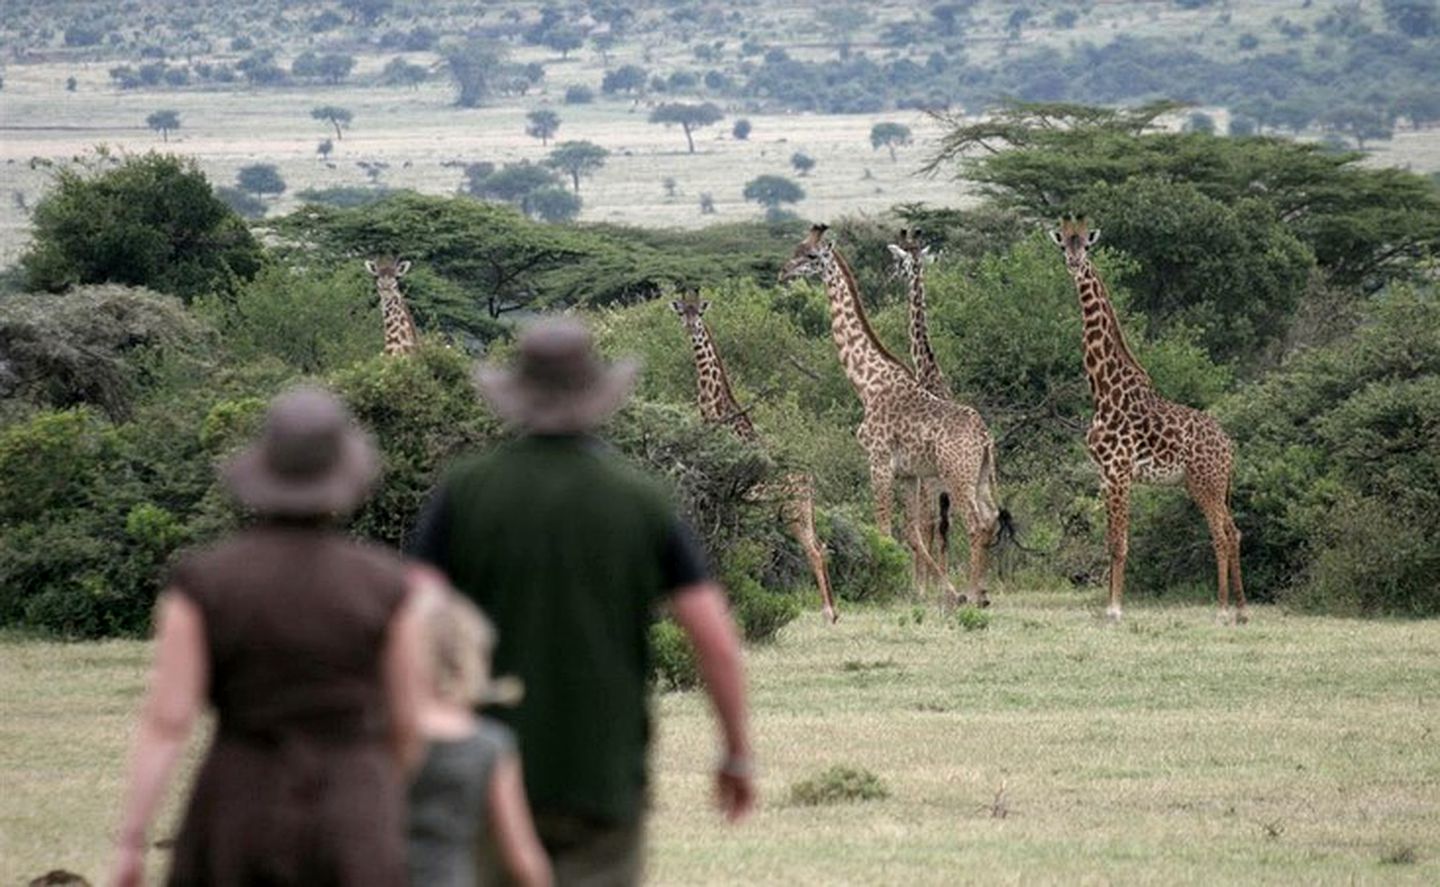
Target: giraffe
{"x": 400, "y": 334}
{"x": 907, "y": 432}
{"x": 1139, "y": 436}
{"x": 932, "y": 505}
{"x": 718, "y": 405}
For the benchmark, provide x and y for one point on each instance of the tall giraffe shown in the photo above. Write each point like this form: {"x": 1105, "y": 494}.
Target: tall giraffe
{"x": 1137, "y": 435}
{"x": 932, "y": 505}
{"x": 907, "y": 432}
{"x": 400, "y": 334}
{"x": 718, "y": 405}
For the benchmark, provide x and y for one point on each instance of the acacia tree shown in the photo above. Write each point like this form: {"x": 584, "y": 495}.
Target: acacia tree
{"x": 577, "y": 158}
{"x": 802, "y": 162}
{"x": 543, "y": 124}
{"x": 689, "y": 117}
{"x": 163, "y": 122}
{"x": 770, "y": 191}
{"x": 334, "y": 115}
{"x": 474, "y": 66}
{"x": 260, "y": 179}
{"x": 889, "y": 135}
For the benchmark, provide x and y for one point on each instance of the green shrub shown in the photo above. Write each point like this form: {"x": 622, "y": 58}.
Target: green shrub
{"x": 761, "y": 613}
{"x": 838, "y": 785}
{"x": 865, "y": 565}
{"x": 672, "y": 657}
{"x": 972, "y": 618}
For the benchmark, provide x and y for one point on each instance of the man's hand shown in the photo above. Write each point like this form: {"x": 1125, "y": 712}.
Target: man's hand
{"x": 735, "y": 788}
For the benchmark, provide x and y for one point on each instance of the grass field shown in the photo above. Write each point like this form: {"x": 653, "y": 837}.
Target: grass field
{"x": 1048, "y": 748}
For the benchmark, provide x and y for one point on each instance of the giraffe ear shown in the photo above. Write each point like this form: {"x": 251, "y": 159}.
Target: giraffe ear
{"x": 1093, "y": 236}
{"x": 896, "y": 251}
{"x": 704, "y": 305}
{"x": 402, "y": 268}
{"x": 370, "y": 266}
{"x": 1058, "y": 238}
{"x": 677, "y": 307}
{"x": 925, "y": 252}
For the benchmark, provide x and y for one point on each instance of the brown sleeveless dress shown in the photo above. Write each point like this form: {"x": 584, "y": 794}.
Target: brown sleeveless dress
{"x": 299, "y": 785}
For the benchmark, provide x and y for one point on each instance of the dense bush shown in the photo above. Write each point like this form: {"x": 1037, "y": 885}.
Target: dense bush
{"x": 150, "y": 221}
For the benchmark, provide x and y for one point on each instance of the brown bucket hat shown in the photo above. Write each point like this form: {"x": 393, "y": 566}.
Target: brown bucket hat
{"x": 557, "y": 384}
{"x": 310, "y": 460}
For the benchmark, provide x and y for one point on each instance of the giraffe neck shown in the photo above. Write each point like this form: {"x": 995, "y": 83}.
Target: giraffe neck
{"x": 1112, "y": 370}
{"x": 714, "y": 395}
{"x": 400, "y": 334}
{"x": 868, "y": 365}
{"x": 922, "y": 356}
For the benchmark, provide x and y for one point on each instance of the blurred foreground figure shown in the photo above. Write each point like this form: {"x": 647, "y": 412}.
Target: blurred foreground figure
{"x": 308, "y": 646}
{"x": 569, "y": 550}
{"x": 469, "y": 784}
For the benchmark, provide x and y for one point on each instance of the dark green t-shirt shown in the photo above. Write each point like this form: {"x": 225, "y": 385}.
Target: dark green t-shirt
{"x": 568, "y": 550}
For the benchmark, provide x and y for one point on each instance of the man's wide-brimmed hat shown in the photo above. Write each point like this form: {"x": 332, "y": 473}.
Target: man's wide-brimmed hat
{"x": 310, "y": 460}
{"x": 557, "y": 383}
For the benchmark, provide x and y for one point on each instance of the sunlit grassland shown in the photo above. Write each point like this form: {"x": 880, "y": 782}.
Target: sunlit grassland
{"x": 1047, "y": 748}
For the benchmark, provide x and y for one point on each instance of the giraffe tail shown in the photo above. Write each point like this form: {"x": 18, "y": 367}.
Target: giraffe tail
{"x": 945, "y": 522}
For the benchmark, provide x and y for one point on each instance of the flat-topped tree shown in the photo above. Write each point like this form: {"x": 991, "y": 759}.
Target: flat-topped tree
{"x": 543, "y": 124}
{"x": 576, "y": 159}
{"x": 689, "y": 117}
{"x": 163, "y": 122}
{"x": 889, "y": 135}
{"x": 334, "y": 115}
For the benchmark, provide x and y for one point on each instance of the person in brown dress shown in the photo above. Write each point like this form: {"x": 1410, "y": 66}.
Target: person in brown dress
{"x": 308, "y": 646}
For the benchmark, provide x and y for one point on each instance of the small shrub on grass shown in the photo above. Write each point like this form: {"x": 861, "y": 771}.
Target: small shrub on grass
{"x": 1402, "y": 855}
{"x": 865, "y": 565}
{"x": 838, "y": 785}
{"x": 972, "y": 618}
{"x": 760, "y": 613}
{"x": 672, "y": 658}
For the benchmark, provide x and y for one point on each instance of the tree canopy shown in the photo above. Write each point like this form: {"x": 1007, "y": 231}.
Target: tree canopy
{"x": 690, "y": 117}
{"x": 889, "y": 135}
{"x": 576, "y": 159}
{"x": 164, "y": 122}
{"x": 150, "y": 221}
{"x": 542, "y": 124}
{"x": 335, "y": 115}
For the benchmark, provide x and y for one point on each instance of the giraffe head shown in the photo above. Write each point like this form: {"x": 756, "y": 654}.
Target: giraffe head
{"x": 387, "y": 267}
{"x": 810, "y": 256}
{"x": 1075, "y": 238}
{"x": 691, "y": 309}
{"x": 909, "y": 254}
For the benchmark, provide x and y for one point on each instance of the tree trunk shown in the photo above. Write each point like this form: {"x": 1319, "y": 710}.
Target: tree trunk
{"x": 688, "y": 140}
{"x": 575, "y": 177}
{"x": 891, "y": 146}
{"x": 336, "y": 124}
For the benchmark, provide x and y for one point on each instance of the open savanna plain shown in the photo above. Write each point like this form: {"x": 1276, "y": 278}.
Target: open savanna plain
{"x": 1047, "y": 747}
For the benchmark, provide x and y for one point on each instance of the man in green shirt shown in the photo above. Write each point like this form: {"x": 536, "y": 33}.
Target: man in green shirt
{"x": 570, "y": 550}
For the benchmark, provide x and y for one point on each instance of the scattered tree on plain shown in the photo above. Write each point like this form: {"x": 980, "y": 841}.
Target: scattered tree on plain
{"x": 626, "y": 78}
{"x": 741, "y": 129}
{"x": 334, "y": 115}
{"x": 576, "y": 159}
{"x": 164, "y": 122}
{"x": 474, "y": 66}
{"x": 770, "y": 191}
{"x": 399, "y": 72}
{"x": 889, "y": 135}
{"x": 542, "y": 125}
{"x": 554, "y": 204}
{"x": 689, "y": 117}
{"x": 260, "y": 179}
{"x": 802, "y": 162}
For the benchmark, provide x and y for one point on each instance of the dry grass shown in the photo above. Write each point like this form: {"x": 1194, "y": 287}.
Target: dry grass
{"x": 1049, "y": 748}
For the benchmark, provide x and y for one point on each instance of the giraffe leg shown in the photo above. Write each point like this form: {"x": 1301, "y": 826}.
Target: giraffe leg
{"x": 919, "y": 541}
{"x": 1209, "y": 494}
{"x": 963, "y": 480}
{"x": 1241, "y": 615}
{"x": 1117, "y": 538}
{"x": 802, "y": 527}
{"x": 949, "y": 596}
